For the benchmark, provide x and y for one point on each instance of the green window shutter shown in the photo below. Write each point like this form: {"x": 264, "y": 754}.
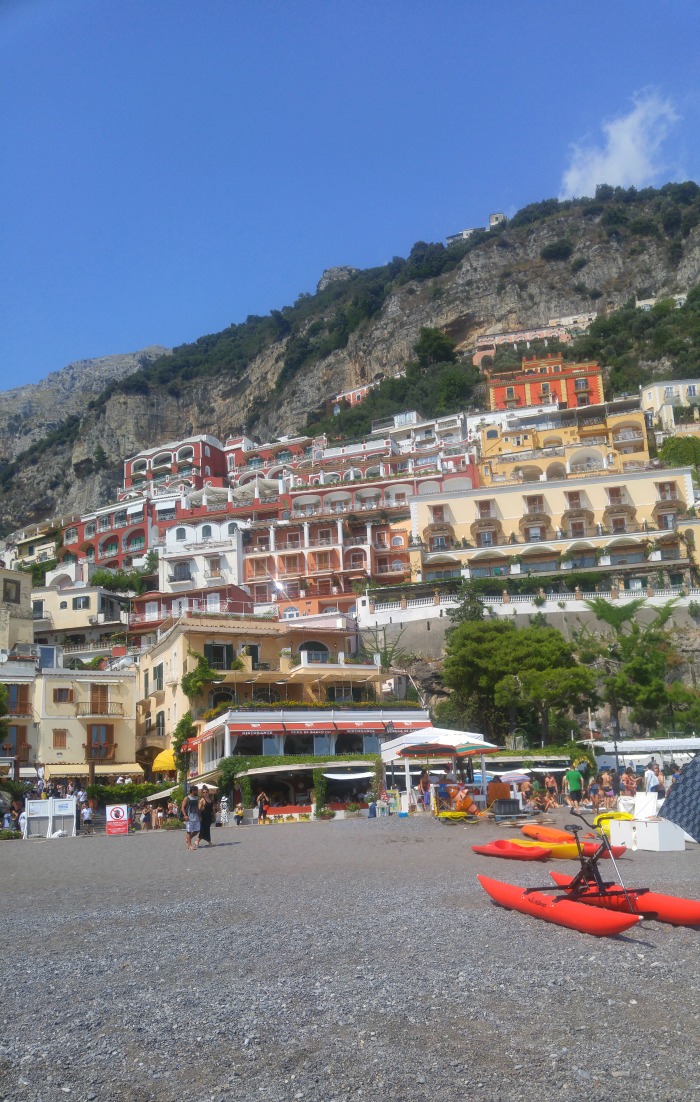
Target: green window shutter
{"x": 209, "y": 652}
{"x": 229, "y": 654}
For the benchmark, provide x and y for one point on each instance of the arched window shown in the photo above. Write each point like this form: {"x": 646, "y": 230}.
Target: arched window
{"x": 207, "y": 470}
{"x": 290, "y": 613}
{"x": 232, "y": 528}
{"x": 397, "y": 541}
{"x": 182, "y": 572}
{"x": 180, "y": 534}
{"x": 63, "y": 604}
{"x": 206, "y": 531}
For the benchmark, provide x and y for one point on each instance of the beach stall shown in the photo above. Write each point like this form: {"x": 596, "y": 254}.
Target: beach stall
{"x": 436, "y": 742}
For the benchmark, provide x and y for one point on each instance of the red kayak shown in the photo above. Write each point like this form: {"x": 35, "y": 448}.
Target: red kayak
{"x": 664, "y": 908}
{"x": 502, "y": 847}
{"x": 558, "y": 909}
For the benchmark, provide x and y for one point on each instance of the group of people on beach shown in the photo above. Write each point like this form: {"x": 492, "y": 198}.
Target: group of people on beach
{"x": 602, "y": 791}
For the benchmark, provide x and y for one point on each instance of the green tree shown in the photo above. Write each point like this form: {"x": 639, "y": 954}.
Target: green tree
{"x": 487, "y": 666}
{"x": 561, "y": 689}
{"x": 470, "y": 607}
{"x": 184, "y": 730}
{"x": 434, "y": 347}
{"x": 632, "y": 661}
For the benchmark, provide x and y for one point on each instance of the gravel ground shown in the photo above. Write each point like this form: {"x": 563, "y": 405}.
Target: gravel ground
{"x": 330, "y": 961}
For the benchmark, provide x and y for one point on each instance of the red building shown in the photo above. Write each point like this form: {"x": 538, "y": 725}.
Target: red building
{"x": 189, "y": 463}
{"x": 542, "y": 380}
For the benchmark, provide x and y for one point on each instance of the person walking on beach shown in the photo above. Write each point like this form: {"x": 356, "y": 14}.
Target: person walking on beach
{"x": 574, "y": 787}
{"x": 190, "y": 813}
{"x": 206, "y": 816}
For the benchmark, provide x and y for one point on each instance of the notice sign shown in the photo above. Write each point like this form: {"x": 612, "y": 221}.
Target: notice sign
{"x": 117, "y": 819}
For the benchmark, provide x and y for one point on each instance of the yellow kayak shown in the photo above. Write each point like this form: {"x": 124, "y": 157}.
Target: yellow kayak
{"x": 568, "y": 850}
{"x": 602, "y": 821}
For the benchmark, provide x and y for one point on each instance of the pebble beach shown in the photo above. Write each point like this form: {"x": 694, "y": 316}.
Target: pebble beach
{"x": 330, "y": 962}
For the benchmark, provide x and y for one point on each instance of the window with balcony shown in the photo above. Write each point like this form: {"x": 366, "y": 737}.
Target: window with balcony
{"x": 214, "y": 567}
{"x": 104, "y": 524}
{"x": 18, "y": 700}
{"x": 484, "y": 510}
{"x": 157, "y": 672}
{"x": 438, "y": 543}
{"x": 120, "y": 520}
{"x": 534, "y": 534}
{"x": 667, "y": 520}
{"x": 438, "y": 512}
{"x": 582, "y": 400}
{"x": 616, "y": 495}
{"x": 578, "y": 529}
{"x": 618, "y": 524}
{"x": 160, "y": 724}
{"x": 485, "y": 539}
{"x": 574, "y": 500}
{"x": 535, "y": 504}
{"x": 70, "y": 535}
{"x": 219, "y": 655}
{"x": 182, "y": 572}
{"x": 667, "y": 491}
{"x": 89, "y": 531}
{"x": 323, "y": 561}
{"x": 357, "y": 560}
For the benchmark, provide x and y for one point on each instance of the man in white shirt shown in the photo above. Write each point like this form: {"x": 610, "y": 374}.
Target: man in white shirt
{"x": 651, "y": 781}
{"x": 120, "y": 780}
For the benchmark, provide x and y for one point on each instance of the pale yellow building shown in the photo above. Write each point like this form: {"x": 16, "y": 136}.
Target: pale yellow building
{"x": 610, "y": 438}
{"x": 625, "y": 521}
{"x": 87, "y": 723}
{"x": 305, "y": 660}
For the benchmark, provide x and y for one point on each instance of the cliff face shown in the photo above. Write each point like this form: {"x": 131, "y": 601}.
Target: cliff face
{"x": 28, "y": 413}
{"x": 502, "y": 284}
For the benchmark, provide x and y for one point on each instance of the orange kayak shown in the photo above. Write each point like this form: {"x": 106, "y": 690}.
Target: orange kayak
{"x": 546, "y": 834}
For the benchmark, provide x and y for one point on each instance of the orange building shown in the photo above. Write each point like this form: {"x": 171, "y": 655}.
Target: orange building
{"x": 546, "y": 379}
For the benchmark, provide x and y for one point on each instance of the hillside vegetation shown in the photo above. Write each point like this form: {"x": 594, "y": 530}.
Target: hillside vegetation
{"x": 267, "y": 374}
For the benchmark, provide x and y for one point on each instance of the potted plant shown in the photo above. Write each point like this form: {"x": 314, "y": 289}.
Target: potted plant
{"x": 352, "y": 810}
{"x": 325, "y": 814}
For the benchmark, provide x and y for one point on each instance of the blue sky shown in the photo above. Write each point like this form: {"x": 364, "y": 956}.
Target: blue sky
{"x": 168, "y": 166}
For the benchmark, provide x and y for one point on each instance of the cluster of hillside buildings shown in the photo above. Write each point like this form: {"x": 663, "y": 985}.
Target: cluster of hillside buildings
{"x": 261, "y": 558}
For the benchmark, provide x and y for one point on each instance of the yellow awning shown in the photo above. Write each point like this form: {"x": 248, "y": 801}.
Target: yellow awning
{"x": 82, "y": 769}
{"x": 164, "y": 762}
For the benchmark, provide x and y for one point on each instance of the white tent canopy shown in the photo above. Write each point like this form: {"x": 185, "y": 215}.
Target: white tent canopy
{"x": 442, "y": 742}
{"x": 436, "y": 742}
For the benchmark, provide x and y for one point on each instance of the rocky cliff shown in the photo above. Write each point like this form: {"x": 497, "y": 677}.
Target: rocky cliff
{"x": 501, "y": 282}
{"x": 29, "y": 413}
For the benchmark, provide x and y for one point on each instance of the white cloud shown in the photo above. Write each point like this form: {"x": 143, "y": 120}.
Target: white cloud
{"x": 630, "y": 155}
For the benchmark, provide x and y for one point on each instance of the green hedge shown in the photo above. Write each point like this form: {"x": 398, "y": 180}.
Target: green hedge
{"x": 123, "y": 793}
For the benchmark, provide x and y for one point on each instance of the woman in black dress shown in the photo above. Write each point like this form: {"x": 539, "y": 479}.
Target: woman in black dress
{"x": 206, "y": 816}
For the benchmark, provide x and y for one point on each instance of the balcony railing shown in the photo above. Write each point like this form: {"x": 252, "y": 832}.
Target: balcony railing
{"x": 106, "y": 752}
{"x": 19, "y": 708}
{"x": 99, "y": 708}
{"x": 395, "y": 568}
